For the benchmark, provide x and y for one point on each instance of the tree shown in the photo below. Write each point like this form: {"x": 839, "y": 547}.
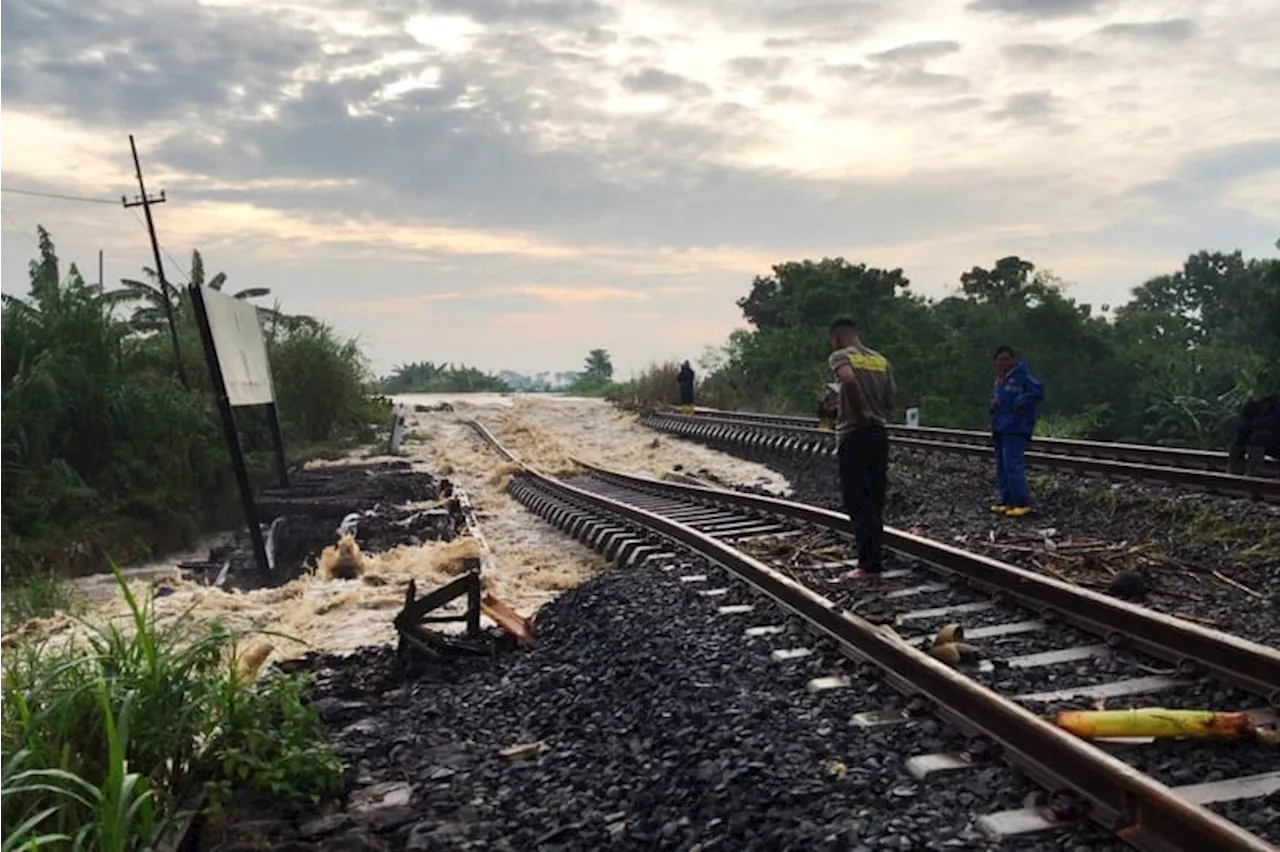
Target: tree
{"x": 598, "y": 368}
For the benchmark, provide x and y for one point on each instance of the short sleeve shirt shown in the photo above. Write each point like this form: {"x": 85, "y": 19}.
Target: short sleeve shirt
{"x": 874, "y": 375}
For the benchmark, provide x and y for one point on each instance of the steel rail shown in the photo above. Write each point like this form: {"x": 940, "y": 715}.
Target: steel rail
{"x": 784, "y": 437}
{"x": 1150, "y": 454}
{"x": 1139, "y": 810}
{"x": 1251, "y": 666}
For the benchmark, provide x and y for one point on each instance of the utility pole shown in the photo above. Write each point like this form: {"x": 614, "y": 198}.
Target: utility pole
{"x": 100, "y": 281}
{"x": 144, "y": 201}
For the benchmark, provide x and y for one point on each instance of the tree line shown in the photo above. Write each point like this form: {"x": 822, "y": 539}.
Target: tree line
{"x": 106, "y": 452}
{"x": 1172, "y": 365}
{"x": 429, "y": 377}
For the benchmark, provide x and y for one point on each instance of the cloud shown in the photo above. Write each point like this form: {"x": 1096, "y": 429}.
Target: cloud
{"x": 130, "y": 65}
{"x": 1230, "y": 163}
{"x": 916, "y": 52}
{"x": 1039, "y": 8}
{"x": 759, "y": 66}
{"x": 562, "y": 295}
{"x": 655, "y": 81}
{"x": 1027, "y": 108}
{"x": 1042, "y": 56}
{"x": 426, "y": 161}
{"x": 510, "y": 12}
{"x": 1170, "y": 30}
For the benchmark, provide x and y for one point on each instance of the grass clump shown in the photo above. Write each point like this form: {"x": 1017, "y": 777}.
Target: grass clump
{"x": 105, "y": 743}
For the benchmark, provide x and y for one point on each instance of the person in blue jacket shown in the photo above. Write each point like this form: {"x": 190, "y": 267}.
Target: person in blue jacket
{"x": 1015, "y": 400}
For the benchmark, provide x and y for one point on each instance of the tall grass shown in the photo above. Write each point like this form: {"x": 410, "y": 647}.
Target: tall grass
{"x": 103, "y": 744}
{"x": 104, "y": 451}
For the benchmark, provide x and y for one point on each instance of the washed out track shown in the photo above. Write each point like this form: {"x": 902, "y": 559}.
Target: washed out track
{"x": 1198, "y": 469}
{"x": 1045, "y": 646}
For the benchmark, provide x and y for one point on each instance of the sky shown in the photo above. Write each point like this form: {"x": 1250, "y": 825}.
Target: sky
{"x": 510, "y": 184}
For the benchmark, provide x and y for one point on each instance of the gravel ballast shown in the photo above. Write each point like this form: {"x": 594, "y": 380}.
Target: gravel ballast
{"x": 659, "y": 727}
{"x": 1177, "y": 537}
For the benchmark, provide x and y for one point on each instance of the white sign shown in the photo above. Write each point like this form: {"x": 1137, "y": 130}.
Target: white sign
{"x": 913, "y": 417}
{"x": 397, "y": 430}
{"x": 242, "y": 351}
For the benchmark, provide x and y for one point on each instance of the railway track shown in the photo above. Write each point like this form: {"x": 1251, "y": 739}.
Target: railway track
{"x": 1046, "y": 645}
{"x": 1179, "y": 457}
{"x": 778, "y": 434}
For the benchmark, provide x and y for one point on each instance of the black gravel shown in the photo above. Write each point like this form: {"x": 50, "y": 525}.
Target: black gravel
{"x": 661, "y": 728}
{"x": 945, "y": 496}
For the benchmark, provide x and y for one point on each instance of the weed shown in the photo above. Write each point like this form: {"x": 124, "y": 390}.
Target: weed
{"x": 102, "y": 743}
{"x": 40, "y": 594}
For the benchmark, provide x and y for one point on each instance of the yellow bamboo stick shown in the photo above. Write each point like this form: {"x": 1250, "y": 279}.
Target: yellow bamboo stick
{"x": 1156, "y": 722}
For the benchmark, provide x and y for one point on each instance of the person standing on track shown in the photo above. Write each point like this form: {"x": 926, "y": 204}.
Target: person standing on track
{"x": 1257, "y": 435}
{"x": 685, "y": 381}
{"x": 867, "y": 391}
{"x": 1015, "y": 399}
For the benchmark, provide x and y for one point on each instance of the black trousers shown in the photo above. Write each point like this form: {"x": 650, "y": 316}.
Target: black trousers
{"x": 864, "y": 483}
{"x": 1252, "y": 435}
{"x": 686, "y": 393}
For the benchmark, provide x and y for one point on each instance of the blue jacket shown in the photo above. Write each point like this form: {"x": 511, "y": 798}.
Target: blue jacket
{"x": 1015, "y": 402}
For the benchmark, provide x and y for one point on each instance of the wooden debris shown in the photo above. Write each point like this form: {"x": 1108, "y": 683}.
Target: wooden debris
{"x": 506, "y": 617}
{"x": 524, "y": 751}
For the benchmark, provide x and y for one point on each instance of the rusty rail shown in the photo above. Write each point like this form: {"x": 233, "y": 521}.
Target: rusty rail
{"x": 1144, "y": 813}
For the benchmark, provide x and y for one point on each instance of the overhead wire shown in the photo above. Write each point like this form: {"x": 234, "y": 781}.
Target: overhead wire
{"x": 58, "y": 195}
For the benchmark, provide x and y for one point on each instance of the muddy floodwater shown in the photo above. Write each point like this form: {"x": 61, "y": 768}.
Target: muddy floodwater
{"x": 529, "y": 563}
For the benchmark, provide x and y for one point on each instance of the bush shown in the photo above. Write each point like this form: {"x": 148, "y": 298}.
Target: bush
{"x": 104, "y": 451}
{"x": 103, "y": 745}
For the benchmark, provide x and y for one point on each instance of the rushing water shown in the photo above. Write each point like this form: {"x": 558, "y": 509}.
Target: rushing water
{"x": 479, "y": 400}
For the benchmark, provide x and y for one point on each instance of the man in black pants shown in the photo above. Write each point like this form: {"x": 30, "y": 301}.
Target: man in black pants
{"x": 866, "y": 398}
{"x": 1257, "y": 435}
{"x": 684, "y": 379}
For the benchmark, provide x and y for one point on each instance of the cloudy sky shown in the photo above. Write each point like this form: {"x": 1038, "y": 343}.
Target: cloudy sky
{"x": 510, "y": 183}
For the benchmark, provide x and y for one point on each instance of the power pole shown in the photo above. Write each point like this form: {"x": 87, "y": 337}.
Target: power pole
{"x": 144, "y": 201}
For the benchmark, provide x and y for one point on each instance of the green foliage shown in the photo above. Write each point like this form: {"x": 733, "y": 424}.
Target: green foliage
{"x": 1172, "y": 366}
{"x": 428, "y": 377}
{"x": 272, "y": 745}
{"x": 104, "y": 451}
{"x": 103, "y": 744}
{"x": 596, "y": 378}
{"x": 39, "y": 594}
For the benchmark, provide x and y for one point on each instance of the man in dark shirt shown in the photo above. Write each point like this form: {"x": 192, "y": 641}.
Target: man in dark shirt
{"x": 866, "y": 398}
{"x": 684, "y": 379}
{"x": 1257, "y": 435}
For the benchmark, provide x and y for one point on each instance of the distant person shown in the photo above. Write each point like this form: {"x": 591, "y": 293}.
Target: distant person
{"x": 685, "y": 380}
{"x": 865, "y": 380}
{"x": 1015, "y": 400}
{"x": 1257, "y": 435}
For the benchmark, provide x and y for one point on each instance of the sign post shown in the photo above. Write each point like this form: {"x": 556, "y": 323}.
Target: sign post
{"x": 397, "y": 430}
{"x": 913, "y": 416}
{"x": 241, "y": 376}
